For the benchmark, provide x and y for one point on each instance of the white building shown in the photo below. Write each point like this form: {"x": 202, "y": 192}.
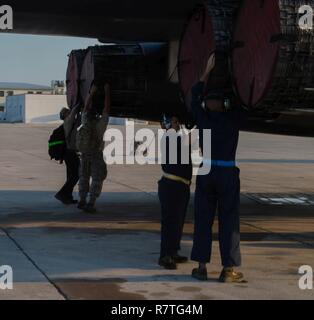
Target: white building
{"x": 34, "y": 108}
{"x": 8, "y": 89}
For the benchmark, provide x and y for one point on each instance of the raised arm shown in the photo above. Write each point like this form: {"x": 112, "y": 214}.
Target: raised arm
{"x": 198, "y": 89}
{"x": 89, "y": 100}
{"x": 209, "y": 68}
{"x": 73, "y": 113}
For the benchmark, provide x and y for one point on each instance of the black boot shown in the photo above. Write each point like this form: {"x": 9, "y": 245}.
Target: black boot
{"x": 200, "y": 274}
{"x": 90, "y": 208}
{"x": 66, "y": 201}
{"x": 168, "y": 263}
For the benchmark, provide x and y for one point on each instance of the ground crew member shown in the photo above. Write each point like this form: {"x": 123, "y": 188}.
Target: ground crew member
{"x": 71, "y": 158}
{"x": 174, "y": 196}
{"x": 90, "y": 142}
{"x": 221, "y": 187}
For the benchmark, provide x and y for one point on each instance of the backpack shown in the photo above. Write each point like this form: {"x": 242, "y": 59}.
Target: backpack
{"x": 57, "y": 144}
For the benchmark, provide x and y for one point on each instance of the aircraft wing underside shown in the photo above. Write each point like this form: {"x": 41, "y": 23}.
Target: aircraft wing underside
{"x": 124, "y": 20}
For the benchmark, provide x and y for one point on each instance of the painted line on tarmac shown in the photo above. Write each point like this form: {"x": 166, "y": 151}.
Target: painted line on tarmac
{"x": 19, "y": 247}
{"x": 283, "y": 236}
{"x": 279, "y": 161}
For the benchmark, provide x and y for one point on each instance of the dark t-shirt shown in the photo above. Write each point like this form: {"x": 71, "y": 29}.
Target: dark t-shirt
{"x": 224, "y": 126}
{"x": 181, "y": 170}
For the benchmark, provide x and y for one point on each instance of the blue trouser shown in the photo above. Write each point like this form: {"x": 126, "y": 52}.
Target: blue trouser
{"x": 219, "y": 189}
{"x": 174, "y": 199}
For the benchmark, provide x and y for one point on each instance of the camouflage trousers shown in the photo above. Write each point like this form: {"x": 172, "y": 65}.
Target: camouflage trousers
{"x": 93, "y": 167}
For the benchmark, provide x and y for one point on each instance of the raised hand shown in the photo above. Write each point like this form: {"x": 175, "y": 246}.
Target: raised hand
{"x": 209, "y": 67}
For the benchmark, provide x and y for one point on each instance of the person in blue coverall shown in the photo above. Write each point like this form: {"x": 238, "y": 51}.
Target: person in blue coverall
{"x": 220, "y": 188}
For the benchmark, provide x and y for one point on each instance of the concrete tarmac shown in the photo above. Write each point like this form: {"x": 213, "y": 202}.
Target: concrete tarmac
{"x": 58, "y": 252}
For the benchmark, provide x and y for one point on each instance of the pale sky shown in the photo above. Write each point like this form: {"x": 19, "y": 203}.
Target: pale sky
{"x": 36, "y": 59}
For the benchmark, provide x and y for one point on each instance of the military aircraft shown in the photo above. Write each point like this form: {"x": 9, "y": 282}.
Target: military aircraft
{"x": 173, "y": 40}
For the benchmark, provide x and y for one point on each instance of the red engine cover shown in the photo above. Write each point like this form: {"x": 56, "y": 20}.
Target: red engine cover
{"x": 196, "y": 46}
{"x": 255, "y": 57}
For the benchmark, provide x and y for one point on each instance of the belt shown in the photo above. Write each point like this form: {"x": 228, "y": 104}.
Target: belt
{"x": 220, "y": 163}
{"x": 176, "y": 178}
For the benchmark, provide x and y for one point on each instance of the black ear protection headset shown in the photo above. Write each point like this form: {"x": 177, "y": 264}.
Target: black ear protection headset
{"x": 166, "y": 121}
{"x": 214, "y": 96}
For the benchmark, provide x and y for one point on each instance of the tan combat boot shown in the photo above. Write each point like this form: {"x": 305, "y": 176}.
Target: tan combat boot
{"x": 229, "y": 275}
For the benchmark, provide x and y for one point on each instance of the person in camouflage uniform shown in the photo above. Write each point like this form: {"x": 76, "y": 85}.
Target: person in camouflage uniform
{"x": 90, "y": 144}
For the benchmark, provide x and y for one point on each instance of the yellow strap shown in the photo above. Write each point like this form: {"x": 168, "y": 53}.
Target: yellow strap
{"x": 176, "y": 178}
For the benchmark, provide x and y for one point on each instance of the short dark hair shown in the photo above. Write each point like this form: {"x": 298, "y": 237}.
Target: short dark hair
{"x": 63, "y": 113}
